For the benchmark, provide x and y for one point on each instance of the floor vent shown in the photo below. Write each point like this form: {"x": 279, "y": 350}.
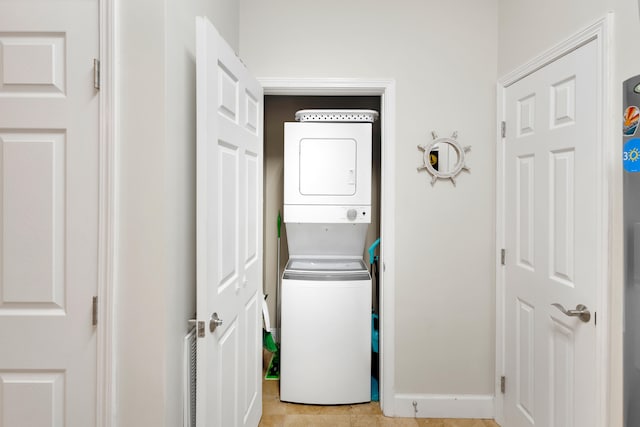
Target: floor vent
{"x": 189, "y": 385}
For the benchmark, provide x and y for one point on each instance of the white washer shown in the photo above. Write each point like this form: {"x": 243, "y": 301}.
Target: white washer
{"x": 325, "y": 347}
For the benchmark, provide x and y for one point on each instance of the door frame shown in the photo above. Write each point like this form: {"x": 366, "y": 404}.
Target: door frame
{"x": 600, "y": 33}
{"x": 105, "y": 367}
{"x": 386, "y": 89}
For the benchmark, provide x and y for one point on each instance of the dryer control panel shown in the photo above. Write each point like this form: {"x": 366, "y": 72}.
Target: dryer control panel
{"x": 329, "y": 214}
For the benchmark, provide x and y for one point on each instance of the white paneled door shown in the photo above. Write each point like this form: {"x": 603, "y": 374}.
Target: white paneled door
{"x": 551, "y": 237}
{"x": 229, "y": 235}
{"x": 49, "y": 140}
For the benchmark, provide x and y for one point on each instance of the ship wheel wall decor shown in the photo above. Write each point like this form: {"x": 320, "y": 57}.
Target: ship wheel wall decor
{"x": 444, "y": 148}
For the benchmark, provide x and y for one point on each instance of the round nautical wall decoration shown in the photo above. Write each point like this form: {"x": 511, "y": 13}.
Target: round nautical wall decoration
{"x": 444, "y": 158}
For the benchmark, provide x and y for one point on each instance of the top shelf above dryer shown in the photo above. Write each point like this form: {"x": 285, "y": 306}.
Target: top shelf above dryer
{"x": 340, "y": 116}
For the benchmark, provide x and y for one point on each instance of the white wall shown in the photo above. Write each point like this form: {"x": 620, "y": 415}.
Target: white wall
{"x": 155, "y": 279}
{"x": 443, "y": 56}
{"x": 141, "y": 258}
{"x": 526, "y": 30}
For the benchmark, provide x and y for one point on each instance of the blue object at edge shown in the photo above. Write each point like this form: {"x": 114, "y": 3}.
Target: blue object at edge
{"x": 374, "y": 390}
{"x": 372, "y": 249}
{"x": 630, "y": 156}
{"x": 374, "y": 334}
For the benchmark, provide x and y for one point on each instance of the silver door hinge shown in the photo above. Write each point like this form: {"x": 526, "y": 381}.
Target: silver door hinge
{"x": 503, "y": 256}
{"x": 503, "y": 384}
{"x": 96, "y": 74}
{"x": 503, "y": 129}
{"x": 94, "y": 311}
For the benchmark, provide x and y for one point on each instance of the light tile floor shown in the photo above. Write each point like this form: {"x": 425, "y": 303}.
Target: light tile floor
{"x": 282, "y": 414}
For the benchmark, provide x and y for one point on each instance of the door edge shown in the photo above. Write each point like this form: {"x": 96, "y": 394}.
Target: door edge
{"x": 105, "y": 386}
{"x": 385, "y": 88}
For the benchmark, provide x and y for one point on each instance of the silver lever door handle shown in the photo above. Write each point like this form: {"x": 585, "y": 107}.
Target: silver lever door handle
{"x": 214, "y": 322}
{"x": 581, "y": 311}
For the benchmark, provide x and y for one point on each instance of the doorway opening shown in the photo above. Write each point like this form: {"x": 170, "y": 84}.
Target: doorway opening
{"x": 541, "y": 70}
{"x": 384, "y": 91}
{"x": 378, "y": 95}
{"x": 279, "y": 109}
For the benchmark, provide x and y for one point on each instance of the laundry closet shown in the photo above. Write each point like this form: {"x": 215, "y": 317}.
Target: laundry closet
{"x": 322, "y": 360}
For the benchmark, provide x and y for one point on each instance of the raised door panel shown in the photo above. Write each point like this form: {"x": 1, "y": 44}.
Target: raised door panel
{"x": 33, "y": 209}
{"x": 228, "y": 375}
{"x": 228, "y": 208}
{"x": 525, "y": 361}
{"x": 525, "y": 204}
{"x": 21, "y": 392}
{"x": 563, "y": 102}
{"x": 32, "y": 64}
{"x": 252, "y": 380}
{"x": 561, "y": 216}
{"x": 561, "y": 375}
{"x": 252, "y": 203}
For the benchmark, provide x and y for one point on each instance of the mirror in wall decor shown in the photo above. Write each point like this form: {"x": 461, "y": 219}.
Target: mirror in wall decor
{"x": 444, "y": 158}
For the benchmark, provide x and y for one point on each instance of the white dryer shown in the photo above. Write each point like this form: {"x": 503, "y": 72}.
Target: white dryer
{"x": 327, "y": 173}
{"x": 325, "y": 323}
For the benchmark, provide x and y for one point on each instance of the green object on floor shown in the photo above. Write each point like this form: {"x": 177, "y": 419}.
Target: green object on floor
{"x": 268, "y": 342}
{"x": 273, "y": 371}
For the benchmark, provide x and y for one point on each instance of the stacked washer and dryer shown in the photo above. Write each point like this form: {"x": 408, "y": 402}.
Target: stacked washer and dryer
{"x": 325, "y": 354}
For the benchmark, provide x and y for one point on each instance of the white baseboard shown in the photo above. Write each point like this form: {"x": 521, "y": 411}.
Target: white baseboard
{"x": 444, "y": 406}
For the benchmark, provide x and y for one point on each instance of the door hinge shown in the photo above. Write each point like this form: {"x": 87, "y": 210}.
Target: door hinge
{"x": 96, "y": 74}
{"x": 94, "y": 311}
{"x": 503, "y": 256}
{"x": 503, "y": 129}
{"x": 503, "y": 384}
